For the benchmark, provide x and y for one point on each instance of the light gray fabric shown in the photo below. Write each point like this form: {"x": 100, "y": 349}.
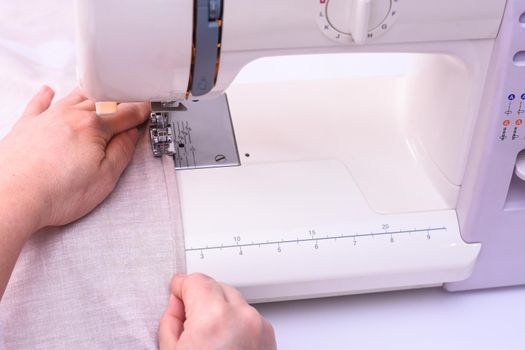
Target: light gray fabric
{"x": 2, "y": 346}
{"x": 103, "y": 281}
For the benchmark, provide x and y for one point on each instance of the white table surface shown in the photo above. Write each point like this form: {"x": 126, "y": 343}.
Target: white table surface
{"x": 414, "y": 319}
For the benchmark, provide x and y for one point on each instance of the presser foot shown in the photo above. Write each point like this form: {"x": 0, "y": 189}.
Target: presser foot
{"x": 197, "y": 134}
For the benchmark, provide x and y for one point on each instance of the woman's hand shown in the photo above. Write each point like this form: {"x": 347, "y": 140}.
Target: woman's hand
{"x": 204, "y": 314}
{"x": 57, "y": 164}
{"x": 61, "y": 161}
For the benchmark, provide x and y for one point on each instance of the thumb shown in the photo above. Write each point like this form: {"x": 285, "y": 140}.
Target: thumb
{"x": 119, "y": 152}
{"x": 39, "y": 103}
{"x": 171, "y": 324}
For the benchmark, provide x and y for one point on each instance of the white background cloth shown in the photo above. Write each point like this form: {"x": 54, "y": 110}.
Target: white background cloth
{"x": 36, "y": 46}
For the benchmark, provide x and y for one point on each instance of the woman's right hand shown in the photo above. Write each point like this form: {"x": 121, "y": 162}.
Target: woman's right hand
{"x": 204, "y": 314}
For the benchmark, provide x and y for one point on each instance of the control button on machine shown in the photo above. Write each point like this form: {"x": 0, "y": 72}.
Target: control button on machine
{"x": 357, "y": 17}
{"x": 519, "y": 58}
{"x": 520, "y": 165}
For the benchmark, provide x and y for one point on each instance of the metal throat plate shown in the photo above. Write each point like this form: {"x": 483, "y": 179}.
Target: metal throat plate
{"x": 197, "y": 134}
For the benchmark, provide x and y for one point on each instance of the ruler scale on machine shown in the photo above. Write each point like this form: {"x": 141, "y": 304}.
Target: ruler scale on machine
{"x": 316, "y": 239}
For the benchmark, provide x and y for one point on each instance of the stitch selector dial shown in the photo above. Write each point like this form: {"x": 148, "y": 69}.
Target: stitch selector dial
{"x": 356, "y": 20}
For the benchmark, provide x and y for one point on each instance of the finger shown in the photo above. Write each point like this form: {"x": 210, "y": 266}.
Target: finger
{"x": 74, "y": 97}
{"x": 119, "y": 152}
{"x": 269, "y": 335}
{"x": 39, "y": 103}
{"x": 86, "y": 105}
{"x": 232, "y": 295}
{"x": 171, "y": 324}
{"x": 129, "y": 115}
{"x": 197, "y": 290}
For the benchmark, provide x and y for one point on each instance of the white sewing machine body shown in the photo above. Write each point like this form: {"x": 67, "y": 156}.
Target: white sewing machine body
{"x": 348, "y": 183}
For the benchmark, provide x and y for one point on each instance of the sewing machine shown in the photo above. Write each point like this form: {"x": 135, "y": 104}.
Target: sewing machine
{"x": 327, "y": 186}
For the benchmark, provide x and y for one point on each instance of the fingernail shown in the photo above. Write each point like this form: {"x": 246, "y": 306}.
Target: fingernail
{"x": 45, "y": 90}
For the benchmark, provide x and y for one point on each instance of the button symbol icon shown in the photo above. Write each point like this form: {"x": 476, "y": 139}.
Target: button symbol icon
{"x": 506, "y": 122}
{"x": 519, "y": 122}
{"x": 511, "y": 97}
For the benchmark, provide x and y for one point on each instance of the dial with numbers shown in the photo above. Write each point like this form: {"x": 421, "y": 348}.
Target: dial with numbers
{"x": 356, "y": 21}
